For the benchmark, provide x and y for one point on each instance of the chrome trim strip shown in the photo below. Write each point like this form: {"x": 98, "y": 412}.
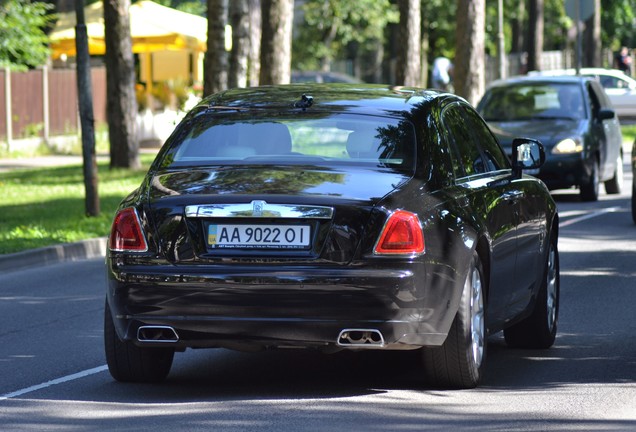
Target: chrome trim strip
{"x": 259, "y": 209}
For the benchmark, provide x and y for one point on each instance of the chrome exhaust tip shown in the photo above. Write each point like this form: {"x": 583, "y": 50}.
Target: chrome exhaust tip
{"x": 361, "y": 338}
{"x": 157, "y": 334}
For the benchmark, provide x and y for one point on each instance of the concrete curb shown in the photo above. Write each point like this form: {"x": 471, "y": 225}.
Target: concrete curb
{"x": 86, "y": 249}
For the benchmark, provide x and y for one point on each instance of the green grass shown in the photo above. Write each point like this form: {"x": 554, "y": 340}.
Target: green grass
{"x": 629, "y": 133}
{"x": 46, "y": 206}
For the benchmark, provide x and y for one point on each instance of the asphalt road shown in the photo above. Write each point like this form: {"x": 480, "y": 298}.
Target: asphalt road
{"x": 53, "y": 375}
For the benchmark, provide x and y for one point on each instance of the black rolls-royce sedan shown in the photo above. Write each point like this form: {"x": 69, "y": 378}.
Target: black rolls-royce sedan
{"x": 333, "y": 217}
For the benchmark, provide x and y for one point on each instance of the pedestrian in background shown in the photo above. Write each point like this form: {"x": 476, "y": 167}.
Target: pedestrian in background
{"x": 442, "y": 74}
{"x": 624, "y": 61}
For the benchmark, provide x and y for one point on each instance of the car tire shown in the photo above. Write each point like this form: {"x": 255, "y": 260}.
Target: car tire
{"x": 615, "y": 184}
{"x": 458, "y": 363}
{"x": 590, "y": 189}
{"x": 130, "y": 363}
{"x": 539, "y": 330}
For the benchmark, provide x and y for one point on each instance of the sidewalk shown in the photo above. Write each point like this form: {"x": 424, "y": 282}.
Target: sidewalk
{"x": 57, "y": 160}
{"x": 43, "y": 161}
{"x": 86, "y": 249}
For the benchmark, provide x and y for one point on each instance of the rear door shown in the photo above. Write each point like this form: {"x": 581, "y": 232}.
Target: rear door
{"x": 483, "y": 173}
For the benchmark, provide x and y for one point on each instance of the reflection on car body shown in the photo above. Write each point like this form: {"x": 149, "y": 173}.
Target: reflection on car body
{"x": 366, "y": 217}
{"x": 573, "y": 119}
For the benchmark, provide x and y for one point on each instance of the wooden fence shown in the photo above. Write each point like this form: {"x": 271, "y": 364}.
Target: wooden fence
{"x": 42, "y": 103}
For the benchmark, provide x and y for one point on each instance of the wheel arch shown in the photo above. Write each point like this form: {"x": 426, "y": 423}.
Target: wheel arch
{"x": 483, "y": 251}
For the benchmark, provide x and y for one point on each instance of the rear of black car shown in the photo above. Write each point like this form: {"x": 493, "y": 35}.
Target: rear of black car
{"x": 258, "y": 229}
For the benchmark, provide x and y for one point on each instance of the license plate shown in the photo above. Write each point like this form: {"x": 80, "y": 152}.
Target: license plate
{"x": 259, "y": 236}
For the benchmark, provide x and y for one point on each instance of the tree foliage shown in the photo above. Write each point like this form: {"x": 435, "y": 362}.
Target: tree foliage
{"x": 331, "y": 25}
{"x": 438, "y": 21}
{"x": 195, "y": 7}
{"x": 618, "y": 23}
{"x": 23, "y": 42}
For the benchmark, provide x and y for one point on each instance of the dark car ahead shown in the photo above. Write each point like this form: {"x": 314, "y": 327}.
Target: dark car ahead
{"x": 573, "y": 119}
{"x": 333, "y": 218}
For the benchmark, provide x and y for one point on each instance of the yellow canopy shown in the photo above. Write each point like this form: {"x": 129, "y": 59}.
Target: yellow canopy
{"x": 153, "y": 27}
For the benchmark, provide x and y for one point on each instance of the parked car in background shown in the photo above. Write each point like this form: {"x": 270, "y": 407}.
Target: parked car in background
{"x": 619, "y": 87}
{"x": 572, "y": 117}
{"x": 322, "y": 77}
{"x": 333, "y": 218}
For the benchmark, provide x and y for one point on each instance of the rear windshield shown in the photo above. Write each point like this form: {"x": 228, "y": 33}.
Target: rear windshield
{"x": 315, "y": 139}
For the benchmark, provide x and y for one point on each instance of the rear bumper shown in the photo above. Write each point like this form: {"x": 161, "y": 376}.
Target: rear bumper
{"x": 257, "y": 307}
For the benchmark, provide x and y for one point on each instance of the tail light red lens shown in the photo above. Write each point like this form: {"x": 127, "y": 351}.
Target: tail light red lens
{"x": 126, "y": 233}
{"x": 402, "y": 234}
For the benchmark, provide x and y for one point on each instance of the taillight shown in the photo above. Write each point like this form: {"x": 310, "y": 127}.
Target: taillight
{"x": 402, "y": 235}
{"x": 126, "y": 233}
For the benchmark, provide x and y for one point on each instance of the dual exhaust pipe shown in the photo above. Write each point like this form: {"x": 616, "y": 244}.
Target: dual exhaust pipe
{"x": 157, "y": 334}
{"x": 361, "y": 338}
{"x": 351, "y": 338}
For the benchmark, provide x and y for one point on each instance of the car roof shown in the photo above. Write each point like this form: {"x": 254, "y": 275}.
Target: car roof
{"x": 584, "y": 71}
{"x": 538, "y": 79}
{"x": 369, "y": 99}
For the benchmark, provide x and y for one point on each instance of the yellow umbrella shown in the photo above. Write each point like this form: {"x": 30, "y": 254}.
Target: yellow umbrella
{"x": 153, "y": 27}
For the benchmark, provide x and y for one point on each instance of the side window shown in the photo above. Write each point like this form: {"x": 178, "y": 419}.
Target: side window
{"x": 467, "y": 159}
{"x": 494, "y": 158}
{"x": 597, "y": 92}
{"x": 475, "y": 149}
{"x": 595, "y": 100}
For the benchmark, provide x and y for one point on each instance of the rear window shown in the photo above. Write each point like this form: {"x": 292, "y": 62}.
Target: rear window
{"x": 315, "y": 139}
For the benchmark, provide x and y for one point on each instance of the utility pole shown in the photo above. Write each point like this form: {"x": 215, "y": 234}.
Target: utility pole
{"x": 87, "y": 120}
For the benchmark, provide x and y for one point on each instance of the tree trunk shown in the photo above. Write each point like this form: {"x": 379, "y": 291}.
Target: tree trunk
{"x": 468, "y": 71}
{"x": 425, "y": 46}
{"x": 87, "y": 120}
{"x": 408, "y": 66}
{"x": 254, "y": 62}
{"x": 592, "y": 38}
{"x": 277, "y": 16}
{"x": 535, "y": 34}
{"x": 215, "y": 62}
{"x": 239, "y": 20}
{"x": 121, "y": 100}
{"x": 517, "y": 42}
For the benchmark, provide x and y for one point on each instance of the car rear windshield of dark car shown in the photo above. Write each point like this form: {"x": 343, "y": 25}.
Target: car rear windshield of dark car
{"x": 322, "y": 139}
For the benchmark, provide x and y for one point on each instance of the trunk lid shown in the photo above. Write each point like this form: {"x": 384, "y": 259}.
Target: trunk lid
{"x": 273, "y": 213}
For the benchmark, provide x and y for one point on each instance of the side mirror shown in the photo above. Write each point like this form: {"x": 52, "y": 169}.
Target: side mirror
{"x": 606, "y": 114}
{"x": 527, "y": 154}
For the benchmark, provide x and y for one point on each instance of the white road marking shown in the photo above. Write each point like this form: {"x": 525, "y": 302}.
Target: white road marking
{"x": 56, "y": 381}
{"x": 589, "y": 216}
